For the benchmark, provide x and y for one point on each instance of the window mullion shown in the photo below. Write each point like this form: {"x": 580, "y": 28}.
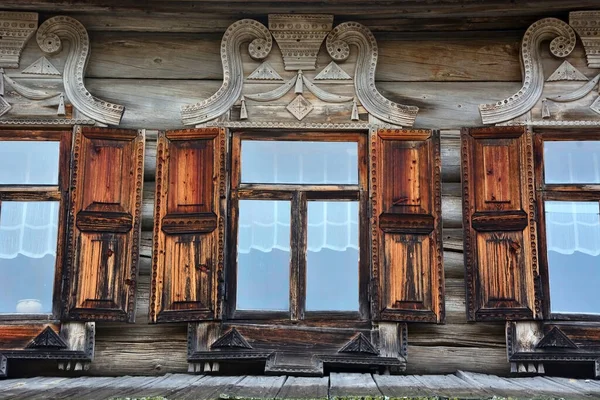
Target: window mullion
{"x": 298, "y": 261}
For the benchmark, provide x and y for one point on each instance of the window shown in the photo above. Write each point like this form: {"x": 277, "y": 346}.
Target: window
{"x": 570, "y": 232}
{"x": 299, "y": 210}
{"x": 34, "y": 174}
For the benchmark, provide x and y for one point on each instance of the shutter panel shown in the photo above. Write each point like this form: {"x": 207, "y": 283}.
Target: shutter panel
{"x": 406, "y": 208}
{"x": 189, "y": 225}
{"x": 500, "y": 237}
{"x": 104, "y": 224}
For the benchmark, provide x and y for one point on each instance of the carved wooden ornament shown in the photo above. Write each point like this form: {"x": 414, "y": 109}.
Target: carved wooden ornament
{"x": 299, "y": 38}
{"x": 15, "y": 30}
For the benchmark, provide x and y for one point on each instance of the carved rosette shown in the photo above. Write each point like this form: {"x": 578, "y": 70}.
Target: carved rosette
{"x": 49, "y": 38}
{"x": 219, "y": 103}
{"x": 562, "y": 44}
{"x": 338, "y": 46}
{"x": 15, "y": 30}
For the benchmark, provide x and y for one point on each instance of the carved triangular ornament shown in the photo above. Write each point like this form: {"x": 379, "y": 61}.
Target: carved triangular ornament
{"x": 265, "y": 72}
{"x": 41, "y": 67}
{"x": 47, "y": 339}
{"x": 231, "y": 340}
{"x": 567, "y": 72}
{"x": 4, "y": 106}
{"x": 359, "y": 344}
{"x": 556, "y": 339}
{"x": 332, "y": 72}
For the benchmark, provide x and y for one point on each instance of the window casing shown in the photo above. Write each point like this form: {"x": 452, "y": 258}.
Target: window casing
{"x": 568, "y": 176}
{"x": 40, "y": 197}
{"x": 303, "y": 198}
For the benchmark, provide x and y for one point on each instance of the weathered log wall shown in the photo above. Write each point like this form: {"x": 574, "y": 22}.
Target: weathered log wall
{"x": 153, "y": 68}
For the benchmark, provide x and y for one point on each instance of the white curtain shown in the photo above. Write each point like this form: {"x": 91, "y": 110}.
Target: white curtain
{"x": 29, "y": 228}
{"x": 29, "y": 163}
{"x": 572, "y": 161}
{"x": 573, "y": 226}
{"x": 265, "y": 225}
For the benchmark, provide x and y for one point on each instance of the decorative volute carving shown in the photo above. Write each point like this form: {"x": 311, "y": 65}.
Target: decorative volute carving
{"x": 49, "y": 38}
{"x": 15, "y": 30}
{"x": 562, "y": 44}
{"x": 299, "y": 37}
{"x": 233, "y": 74}
{"x": 338, "y": 47}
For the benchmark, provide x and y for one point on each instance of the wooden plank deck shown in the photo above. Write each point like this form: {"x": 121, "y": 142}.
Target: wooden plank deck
{"x": 463, "y": 385}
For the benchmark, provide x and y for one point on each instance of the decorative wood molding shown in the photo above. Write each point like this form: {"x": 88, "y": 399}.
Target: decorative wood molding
{"x": 220, "y": 102}
{"x": 334, "y": 346}
{"x": 531, "y": 344}
{"x": 338, "y": 46}
{"x": 47, "y": 339}
{"x": 586, "y": 25}
{"x": 46, "y": 122}
{"x": 72, "y": 347}
{"x": 359, "y": 344}
{"x": 232, "y": 339}
{"x": 16, "y": 28}
{"x": 562, "y": 44}
{"x": 49, "y": 38}
{"x": 299, "y": 36}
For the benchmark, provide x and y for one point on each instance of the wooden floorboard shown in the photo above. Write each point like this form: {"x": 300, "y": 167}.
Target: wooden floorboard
{"x": 464, "y": 385}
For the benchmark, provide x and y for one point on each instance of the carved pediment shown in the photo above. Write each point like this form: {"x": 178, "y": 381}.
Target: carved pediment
{"x": 16, "y": 28}
{"x": 304, "y": 42}
{"x": 47, "y": 339}
{"x": 231, "y": 340}
{"x": 359, "y": 344}
{"x": 556, "y": 339}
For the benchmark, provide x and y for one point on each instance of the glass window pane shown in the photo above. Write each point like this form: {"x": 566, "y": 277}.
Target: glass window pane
{"x": 572, "y": 161}
{"x": 295, "y": 162}
{"x": 332, "y": 256}
{"x": 29, "y": 163}
{"x": 573, "y": 241}
{"x": 263, "y": 257}
{"x": 28, "y": 239}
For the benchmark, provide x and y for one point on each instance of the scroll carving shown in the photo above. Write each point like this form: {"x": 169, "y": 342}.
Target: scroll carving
{"x": 220, "y": 102}
{"x": 338, "y": 46}
{"x": 49, "y": 38}
{"x": 562, "y": 44}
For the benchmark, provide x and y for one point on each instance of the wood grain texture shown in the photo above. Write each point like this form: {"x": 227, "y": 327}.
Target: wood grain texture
{"x": 105, "y": 224}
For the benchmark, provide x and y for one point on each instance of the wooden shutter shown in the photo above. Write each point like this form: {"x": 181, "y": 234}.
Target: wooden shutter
{"x": 189, "y": 225}
{"x": 500, "y": 237}
{"x": 104, "y": 224}
{"x": 406, "y": 208}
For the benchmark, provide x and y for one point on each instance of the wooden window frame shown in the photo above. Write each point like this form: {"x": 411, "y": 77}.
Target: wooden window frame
{"x": 561, "y": 192}
{"x": 299, "y": 194}
{"x": 58, "y": 192}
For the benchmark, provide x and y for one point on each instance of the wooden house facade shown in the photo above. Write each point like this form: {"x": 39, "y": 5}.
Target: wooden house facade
{"x": 431, "y": 146}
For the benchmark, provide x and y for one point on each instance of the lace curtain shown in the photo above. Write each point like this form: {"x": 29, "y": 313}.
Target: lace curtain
{"x": 28, "y": 227}
{"x": 573, "y": 226}
{"x": 265, "y": 225}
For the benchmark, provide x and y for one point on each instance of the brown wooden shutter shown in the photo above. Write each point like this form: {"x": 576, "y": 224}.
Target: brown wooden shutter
{"x": 104, "y": 224}
{"x": 502, "y": 279}
{"x": 189, "y": 225}
{"x": 406, "y": 207}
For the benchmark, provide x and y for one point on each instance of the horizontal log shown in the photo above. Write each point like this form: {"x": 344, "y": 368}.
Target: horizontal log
{"x": 449, "y": 359}
{"x": 206, "y": 23}
{"x": 413, "y": 9}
